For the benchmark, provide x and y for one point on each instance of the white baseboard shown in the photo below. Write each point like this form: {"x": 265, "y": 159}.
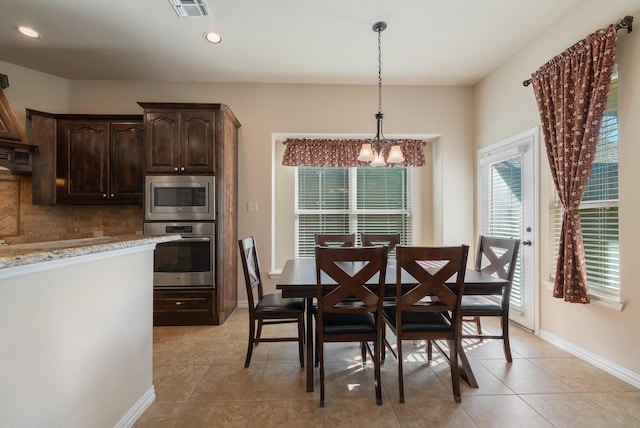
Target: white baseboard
{"x": 243, "y": 303}
{"x": 138, "y": 409}
{"x": 602, "y": 363}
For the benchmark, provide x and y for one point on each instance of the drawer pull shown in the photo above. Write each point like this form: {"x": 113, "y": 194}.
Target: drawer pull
{"x": 179, "y": 303}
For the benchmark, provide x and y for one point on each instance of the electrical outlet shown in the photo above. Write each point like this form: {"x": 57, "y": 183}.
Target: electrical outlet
{"x": 252, "y": 206}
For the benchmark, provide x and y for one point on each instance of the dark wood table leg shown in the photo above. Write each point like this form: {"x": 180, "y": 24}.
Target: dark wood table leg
{"x": 310, "y": 362}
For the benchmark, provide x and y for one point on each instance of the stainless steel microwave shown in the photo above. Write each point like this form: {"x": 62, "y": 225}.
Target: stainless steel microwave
{"x": 179, "y": 197}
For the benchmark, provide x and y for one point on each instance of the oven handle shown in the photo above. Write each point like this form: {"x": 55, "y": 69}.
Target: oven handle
{"x": 202, "y": 239}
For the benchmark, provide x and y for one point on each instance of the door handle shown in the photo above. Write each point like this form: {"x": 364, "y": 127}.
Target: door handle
{"x": 527, "y": 243}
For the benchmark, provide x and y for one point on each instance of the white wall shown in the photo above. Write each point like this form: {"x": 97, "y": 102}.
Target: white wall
{"x": 77, "y": 341}
{"x": 503, "y": 107}
{"x": 34, "y": 90}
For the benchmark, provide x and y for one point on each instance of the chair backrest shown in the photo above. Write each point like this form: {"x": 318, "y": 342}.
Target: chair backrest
{"x": 251, "y": 268}
{"x": 335, "y": 239}
{"x": 372, "y": 239}
{"x": 498, "y": 256}
{"x": 351, "y": 269}
{"x": 431, "y": 267}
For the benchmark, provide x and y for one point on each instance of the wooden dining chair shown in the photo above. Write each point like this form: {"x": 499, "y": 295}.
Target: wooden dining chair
{"x": 495, "y": 256}
{"x": 391, "y": 240}
{"x": 267, "y": 309}
{"x": 335, "y": 239}
{"x": 429, "y": 310}
{"x": 373, "y": 239}
{"x": 350, "y": 310}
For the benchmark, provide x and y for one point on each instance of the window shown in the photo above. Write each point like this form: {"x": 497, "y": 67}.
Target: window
{"x": 351, "y": 200}
{"x": 599, "y": 207}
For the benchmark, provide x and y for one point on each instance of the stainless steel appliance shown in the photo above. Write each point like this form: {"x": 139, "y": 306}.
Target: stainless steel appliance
{"x": 179, "y": 198}
{"x": 189, "y": 261}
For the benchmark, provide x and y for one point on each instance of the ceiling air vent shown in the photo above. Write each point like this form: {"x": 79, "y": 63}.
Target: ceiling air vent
{"x": 190, "y": 8}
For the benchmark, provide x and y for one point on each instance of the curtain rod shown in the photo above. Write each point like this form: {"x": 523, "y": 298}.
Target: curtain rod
{"x": 626, "y": 22}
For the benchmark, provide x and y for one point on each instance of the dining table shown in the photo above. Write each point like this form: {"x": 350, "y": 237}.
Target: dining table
{"x": 298, "y": 279}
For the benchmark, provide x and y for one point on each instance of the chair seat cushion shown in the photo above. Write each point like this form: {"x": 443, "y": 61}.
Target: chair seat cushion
{"x": 275, "y": 303}
{"x": 418, "y": 321}
{"x": 348, "y": 323}
{"x": 478, "y": 305}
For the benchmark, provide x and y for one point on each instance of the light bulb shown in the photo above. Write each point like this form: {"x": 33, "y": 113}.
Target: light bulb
{"x": 378, "y": 160}
{"x": 366, "y": 153}
{"x": 395, "y": 155}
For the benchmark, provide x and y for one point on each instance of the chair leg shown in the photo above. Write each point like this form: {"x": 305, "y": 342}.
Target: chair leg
{"x": 478, "y": 326}
{"x": 252, "y": 327}
{"x": 377, "y": 345}
{"x": 383, "y": 341}
{"x": 505, "y": 339}
{"x": 400, "y": 374}
{"x": 259, "y": 333}
{"x": 301, "y": 340}
{"x": 320, "y": 353}
{"x": 429, "y": 351}
{"x": 317, "y": 353}
{"x": 455, "y": 370}
{"x": 363, "y": 353}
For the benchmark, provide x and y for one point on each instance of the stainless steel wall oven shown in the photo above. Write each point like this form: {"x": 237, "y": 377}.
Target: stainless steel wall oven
{"x": 188, "y": 262}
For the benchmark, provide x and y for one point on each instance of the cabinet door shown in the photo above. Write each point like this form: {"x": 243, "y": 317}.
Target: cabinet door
{"x": 126, "y": 166}
{"x": 162, "y": 143}
{"x": 83, "y": 165}
{"x": 197, "y": 141}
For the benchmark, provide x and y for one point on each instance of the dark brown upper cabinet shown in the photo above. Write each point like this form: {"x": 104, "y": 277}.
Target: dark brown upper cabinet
{"x": 181, "y": 138}
{"x": 88, "y": 159}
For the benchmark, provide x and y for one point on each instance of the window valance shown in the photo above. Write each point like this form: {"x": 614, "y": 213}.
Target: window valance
{"x": 324, "y": 152}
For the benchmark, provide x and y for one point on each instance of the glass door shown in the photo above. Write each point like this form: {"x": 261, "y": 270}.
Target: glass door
{"x": 507, "y": 209}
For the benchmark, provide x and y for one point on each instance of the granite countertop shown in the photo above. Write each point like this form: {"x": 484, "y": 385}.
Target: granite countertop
{"x": 25, "y": 254}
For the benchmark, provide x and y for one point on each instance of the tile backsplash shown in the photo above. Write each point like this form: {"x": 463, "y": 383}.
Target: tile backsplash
{"x": 38, "y": 223}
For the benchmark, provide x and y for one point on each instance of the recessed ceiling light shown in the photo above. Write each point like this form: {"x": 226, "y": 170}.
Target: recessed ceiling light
{"x": 28, "y": 32}
{"x": 212, "y": 37}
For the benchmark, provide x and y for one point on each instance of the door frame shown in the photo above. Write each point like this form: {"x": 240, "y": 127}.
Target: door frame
{"x": 512, "y": 143}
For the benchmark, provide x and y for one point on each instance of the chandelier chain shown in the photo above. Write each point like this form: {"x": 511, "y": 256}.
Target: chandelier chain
{"x": 379, "y": 73}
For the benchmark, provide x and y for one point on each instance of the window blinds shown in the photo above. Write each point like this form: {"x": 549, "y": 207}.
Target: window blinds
{"x": 504, "y": 211}
{"x": 351, "y": 200}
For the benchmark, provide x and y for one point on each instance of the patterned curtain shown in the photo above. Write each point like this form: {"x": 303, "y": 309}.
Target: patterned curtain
{"x": 571, "y": 92}
{"x": 342, "y": 153}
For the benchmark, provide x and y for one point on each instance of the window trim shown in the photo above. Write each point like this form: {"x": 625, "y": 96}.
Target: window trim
{"x": 277, "y": 149}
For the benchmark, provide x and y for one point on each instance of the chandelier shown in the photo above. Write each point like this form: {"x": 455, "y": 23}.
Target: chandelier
{"x": 371, "y": 149}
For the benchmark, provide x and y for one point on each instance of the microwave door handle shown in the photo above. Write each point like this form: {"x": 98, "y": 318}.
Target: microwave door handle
{"x": 202, "y": 239}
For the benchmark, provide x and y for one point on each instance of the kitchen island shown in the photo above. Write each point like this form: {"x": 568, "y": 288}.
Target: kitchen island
{"x": 76, "y": 331}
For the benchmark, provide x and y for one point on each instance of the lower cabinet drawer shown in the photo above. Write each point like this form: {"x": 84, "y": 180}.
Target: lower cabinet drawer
{"x": 180, "y": 303}
{"x": 183, "y": 307}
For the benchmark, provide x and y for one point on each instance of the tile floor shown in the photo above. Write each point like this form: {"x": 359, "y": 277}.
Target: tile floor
{"x": 200, "y": 381}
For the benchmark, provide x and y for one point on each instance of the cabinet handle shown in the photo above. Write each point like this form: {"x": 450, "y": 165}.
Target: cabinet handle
{"x": 179, "y": 303}
{"x": 104, "y": 195}
{"x": 181, "y": 168}
{"x": 113, "y": 195}
{"x": 175, "y": 168}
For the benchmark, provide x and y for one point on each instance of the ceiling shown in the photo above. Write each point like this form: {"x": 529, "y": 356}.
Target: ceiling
{"x": 427, "y": 42}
